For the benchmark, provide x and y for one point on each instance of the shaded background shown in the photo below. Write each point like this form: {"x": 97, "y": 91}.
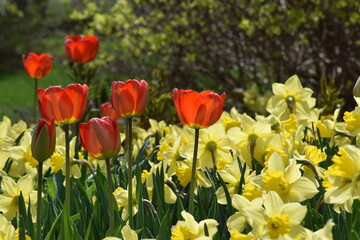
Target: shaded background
{"x": 221, "y": 45}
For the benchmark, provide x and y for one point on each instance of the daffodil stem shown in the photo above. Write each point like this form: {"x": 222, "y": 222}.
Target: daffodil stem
{"x": 35, "y": 99}
{"x": 110, "y": 197}
{"x": 129, "y": 150}
{"x": 39, "y": 201}
{"x": 193, "y": 173}
{"x": 67, "y": 171}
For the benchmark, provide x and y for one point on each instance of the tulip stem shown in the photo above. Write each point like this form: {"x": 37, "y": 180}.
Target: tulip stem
{"x": 39, "y": 201}
{"x": 67, "y": 171}
{"x": 35, "y": 99}
{"x": 193, "y": 172}
{"x": 129, "y": 150}
{"x": 110, "y": 196}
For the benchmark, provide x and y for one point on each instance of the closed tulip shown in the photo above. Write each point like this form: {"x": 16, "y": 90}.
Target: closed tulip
{"x": 106, "y": 109}
{"x": 129, "y": 98}
{"x": 100, "y": 137}
{"x": 198, "y": 110}
{"x": 65, "y": 105}
{"x": 81, "y": 49}
{"x": 43, "y": 140}
{"x": 37, "y": 66}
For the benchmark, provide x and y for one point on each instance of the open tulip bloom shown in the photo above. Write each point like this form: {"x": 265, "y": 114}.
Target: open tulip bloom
{"x": 129, "y": 98}
{"x": 37, "y": 66}
{"x": 64, "y": 105}
{"x": 198, "y": 110}
{"x": 81, "y": 49}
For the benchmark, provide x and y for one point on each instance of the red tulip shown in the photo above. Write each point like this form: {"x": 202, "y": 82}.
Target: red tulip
{"x": 43, "y": 140}
{"x": 37, "y": 66}
{"x": 81, "y": 49}
{"x": 129, "y": 98}
{"x": 106, "y": 109}
{"x": 100, "y": 137}
{"x": 66, "y": 105}
{"x": 198, "y": 110}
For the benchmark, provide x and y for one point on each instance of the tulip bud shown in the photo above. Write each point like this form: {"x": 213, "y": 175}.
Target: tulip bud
{"x": 43, "y": 140}
{"x": 100, "y": 137}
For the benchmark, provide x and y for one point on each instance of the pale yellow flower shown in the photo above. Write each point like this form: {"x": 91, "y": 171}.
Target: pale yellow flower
{"x": 172, "y": 148}
{"x": 324, "y": 233}
{"x": 22, "y": 156}
{"x": 189, "y": 229}
{"x": 183, "y": 173}
{"x": 7, "y": 230}
{"x": 255, "y": 100}
{"x": 158, "y": 127}
{"x": 57, "y": 160}
{"x": 291, "y": 97}
{"x": 236, "y": 235}
{"x": 214, "y": 147}
{"x": 344, "y": 177}
{"x": 286, "y": 181}
{"x": 5, "y": 140}
{"x": 237, "y": 220}
{"x": 121, "y": 197}
{"x": 352, "y": 121}
{"x": 11, "y": 192}
{"x": 250, "y": 139}
{"x": 276, "y": 220}
{"x": 231, "y": 175}
{"x": 169, "y": 195}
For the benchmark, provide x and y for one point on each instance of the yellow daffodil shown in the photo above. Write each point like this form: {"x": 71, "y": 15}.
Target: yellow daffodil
{"x": 286, "y": 181}
{"x": 324, "y": 233}
{"x": 11, "y": 192}
{"x": 121, "y": 197}
{"x": 158, "y": 127}
{"x": 169, "y": 195}
{"x": 22, "y": 156}
{"x": 191, "y": 230}
{"x": 250, "y": 139}
{"x": 7, "y": 230}
{"x": 256, "y": 101}
{"x": 236, "y": 235}
{"x": 5, "y": 140}
{"x": 214, "y": 147}
{"x": 4, "y": 156}
{"x": 291, "y": 97}
{"x": 344, "y": 178}
{"x": 57, "y": 160}
{"x": 231, "y": 119}
{"x": 183, "y": 173}
{"x": 172, "y": 150}
{"x": 231, "y": 175}
{"x": 352, "y": 121}
{"x": 276, "y": 220}
{"x": 237, "y": 221}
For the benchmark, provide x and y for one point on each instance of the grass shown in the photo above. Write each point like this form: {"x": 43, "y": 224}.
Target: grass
{"x": 17, "y": 92}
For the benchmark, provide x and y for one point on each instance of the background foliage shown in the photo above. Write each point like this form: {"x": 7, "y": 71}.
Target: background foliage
{"x": 199, "y": 44}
